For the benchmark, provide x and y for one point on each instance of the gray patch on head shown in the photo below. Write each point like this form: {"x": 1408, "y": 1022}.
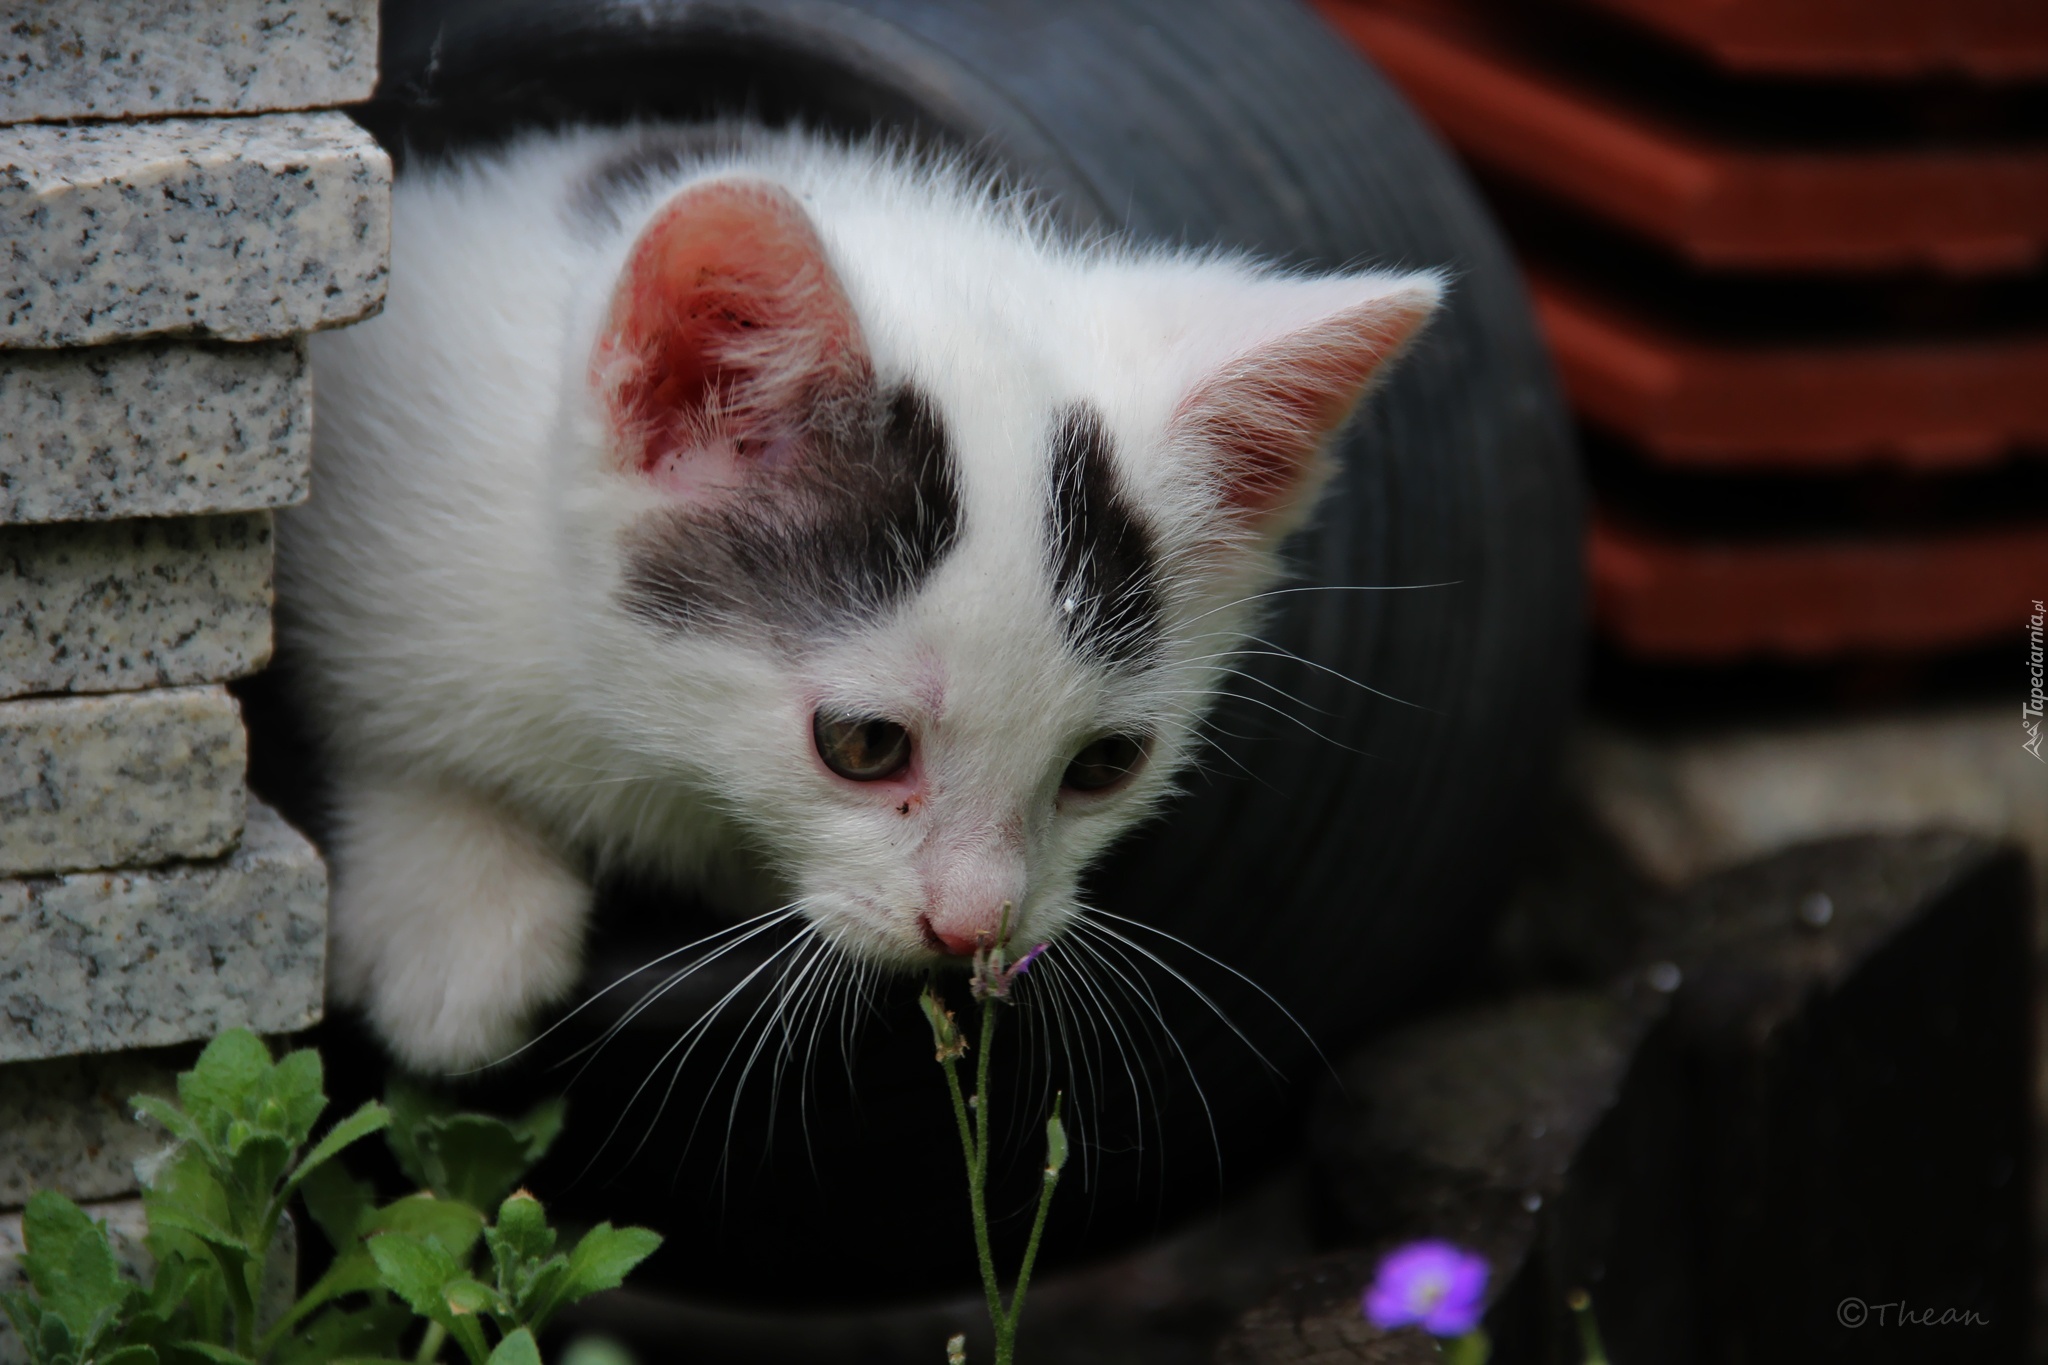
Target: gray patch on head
{"x": 853, "y": 526}
{"x": 1105, "y": 589}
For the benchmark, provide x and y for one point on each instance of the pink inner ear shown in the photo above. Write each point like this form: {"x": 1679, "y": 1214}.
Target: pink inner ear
{"x": 1267, "y": 414}
{"x": 726, "y": 330}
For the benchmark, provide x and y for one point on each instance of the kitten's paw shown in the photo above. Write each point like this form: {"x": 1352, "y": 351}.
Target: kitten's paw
{"x": 451, "y": 923}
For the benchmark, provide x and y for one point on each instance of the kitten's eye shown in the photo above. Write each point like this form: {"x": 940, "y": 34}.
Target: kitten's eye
{"x": 861, "y": 748}
{"x": 1104, "y": 763}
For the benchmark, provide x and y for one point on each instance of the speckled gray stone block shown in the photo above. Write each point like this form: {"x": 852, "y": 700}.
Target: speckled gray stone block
{"x": 124, "y": 780}
{"x": 240, "y": 229}
{"x": 66, "y": 1124}
{"x": 115, "y": 606}
{"x": 154, "y": 429}
{"x": 119, "y": 58}
{"x": 98, "y": 961}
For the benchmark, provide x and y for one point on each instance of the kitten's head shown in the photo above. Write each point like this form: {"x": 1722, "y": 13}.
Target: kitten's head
{"x": 925, "y": 538}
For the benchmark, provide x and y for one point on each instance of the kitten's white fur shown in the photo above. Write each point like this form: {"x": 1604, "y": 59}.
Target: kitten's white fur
{"x": 498, "y": 728}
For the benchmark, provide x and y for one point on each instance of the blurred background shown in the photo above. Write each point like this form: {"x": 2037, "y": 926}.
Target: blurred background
{"x": 1789, "y": 259}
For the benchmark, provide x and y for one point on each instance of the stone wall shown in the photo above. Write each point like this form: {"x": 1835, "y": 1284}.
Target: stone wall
{"x": 179, "y": 207}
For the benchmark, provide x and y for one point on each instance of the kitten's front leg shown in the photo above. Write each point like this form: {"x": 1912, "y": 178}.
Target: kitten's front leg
{"x": 452, "y": 921}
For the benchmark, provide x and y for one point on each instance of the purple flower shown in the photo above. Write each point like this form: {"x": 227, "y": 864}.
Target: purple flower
{"x": 1432, "y": 1284}
{"x": 993, "y": 977}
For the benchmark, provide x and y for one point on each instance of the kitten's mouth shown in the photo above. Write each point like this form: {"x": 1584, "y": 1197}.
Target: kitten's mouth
{"x": 932, "y": 941}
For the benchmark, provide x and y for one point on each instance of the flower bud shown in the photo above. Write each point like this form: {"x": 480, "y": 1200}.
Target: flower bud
{"x": 946, "y": 1036}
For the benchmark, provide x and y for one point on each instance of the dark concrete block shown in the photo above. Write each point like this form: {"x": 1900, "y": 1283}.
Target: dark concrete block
{"x": 1856, "y": 1022}
{"x": 1809, "y": 1095}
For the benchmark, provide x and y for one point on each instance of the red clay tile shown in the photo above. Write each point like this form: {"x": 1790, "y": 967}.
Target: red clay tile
{"x": 1686, "y": 601}
{"x": 1929, "y": 406}
{"x": 1988, "y": 40}
{"x": 1963, "y": 211}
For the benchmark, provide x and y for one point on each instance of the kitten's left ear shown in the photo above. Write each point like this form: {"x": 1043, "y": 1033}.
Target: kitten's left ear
{"x": 726, "y": 331}
{"x": 1306, "y": 353}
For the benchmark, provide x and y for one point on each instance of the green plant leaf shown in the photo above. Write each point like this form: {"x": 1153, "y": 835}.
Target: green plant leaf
{"x": 468, "y": 1333}
{"x": 411, "y": 1109}
{"x": 170, "y": 1311}
{"x": 475, "y": 1158}
{"x": 517, "y": 1349}
{"x": 70, "y": 1265}
{"x": 419, "y": 1272}
{"x": 298, "y": 1087}
{"x": 256, "y": 1162}
{"x": 188, "y": 1297}
{"x": 541, "y": 1125}
{"x": 465, "y": 1294}
{"x": 600, "y": 1261}
{"x": 452, "y": 1226}
{"x": 185, "y": 1191}
{"x": 415, "y": 1269}
{"x": 522, "y": 1228}
{"x": 223, "y": 1084}
{"x": 373, "y": 1332}
{"x": 179, "y": 1219}
{"x": 339, "y": 1203}
{"x": 52, "y": 1341}
{"x": 370, "y": 1118}
{"x": 353, "y": 1272}
{"x": 170, "y": 1118}
{"x": 215, "y": 1353}
{"x": 543, "y": 1291}
{"x": 127, "y": 1355}
{"x": 25, "y": 1313}
{"x": 472, "y": 1157}
{"x": 604, "y": 1258}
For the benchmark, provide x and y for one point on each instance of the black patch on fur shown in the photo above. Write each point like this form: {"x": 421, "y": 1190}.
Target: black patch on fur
{"x": 854, "y": 526}
{"x": 1104, "y": 588}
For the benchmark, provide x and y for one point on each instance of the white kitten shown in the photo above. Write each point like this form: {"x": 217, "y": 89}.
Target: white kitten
{"x": 782, "y": 505}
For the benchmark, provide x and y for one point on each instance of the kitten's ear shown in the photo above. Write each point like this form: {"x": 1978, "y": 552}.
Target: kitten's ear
{"x": 1299, "y": 355}
{"x": 726, "y": 331}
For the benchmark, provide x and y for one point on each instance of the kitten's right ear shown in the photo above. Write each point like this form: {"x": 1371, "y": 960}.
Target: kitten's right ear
{"x": 727, "y": 329}
{"x": 1298, "y": 356}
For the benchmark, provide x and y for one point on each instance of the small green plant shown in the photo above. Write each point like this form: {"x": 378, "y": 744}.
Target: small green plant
{"x": 242, "y": 1127}
{"x": 1591, "y": 1350}
{"x": 994, "y": 978}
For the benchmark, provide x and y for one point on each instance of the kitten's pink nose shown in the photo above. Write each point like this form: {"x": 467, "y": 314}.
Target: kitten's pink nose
{"x": 949, "y": 938}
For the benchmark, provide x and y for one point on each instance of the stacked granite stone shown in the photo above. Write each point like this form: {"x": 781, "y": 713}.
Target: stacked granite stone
{"x": 178, "y": 208}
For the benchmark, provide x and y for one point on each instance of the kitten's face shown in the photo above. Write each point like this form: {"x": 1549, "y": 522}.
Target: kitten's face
{"x": 931, "y": 598}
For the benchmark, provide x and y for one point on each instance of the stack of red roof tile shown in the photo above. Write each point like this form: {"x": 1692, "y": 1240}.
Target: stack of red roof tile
{"x": 1774, "y": 245}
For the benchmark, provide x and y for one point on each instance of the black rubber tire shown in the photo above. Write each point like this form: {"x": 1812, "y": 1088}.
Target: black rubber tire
{"x": 1351, "y": 874}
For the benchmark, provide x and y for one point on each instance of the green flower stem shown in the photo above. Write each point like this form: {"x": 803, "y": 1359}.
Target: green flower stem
{"x": 430, "y": 1344}
{"x": 971, "y": 1117}
{"x": 1052, "y": 1178}
{"x": 1581, "y": 1304}
{"x": 241, "y": 1300}
{"x": 970, "y": 1147}
{"x": 1002, "y": 1321}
